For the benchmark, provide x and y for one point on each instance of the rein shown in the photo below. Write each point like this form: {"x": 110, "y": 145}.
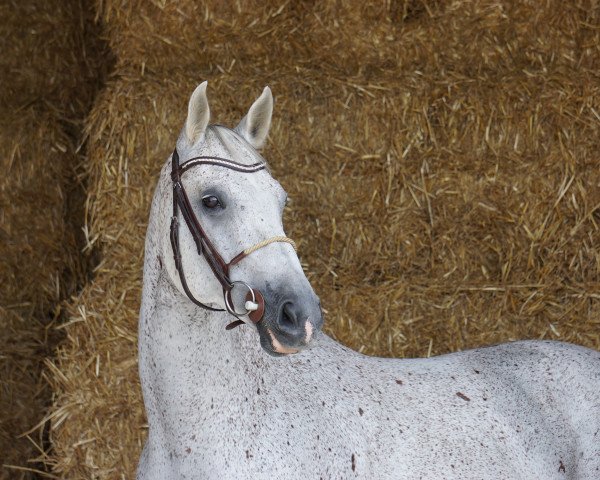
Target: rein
{"x": 254, "y": 303}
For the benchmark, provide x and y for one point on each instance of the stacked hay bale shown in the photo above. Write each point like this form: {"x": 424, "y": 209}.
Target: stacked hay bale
{"x": 441, "y": 158}
{"x": 47, "y": 85}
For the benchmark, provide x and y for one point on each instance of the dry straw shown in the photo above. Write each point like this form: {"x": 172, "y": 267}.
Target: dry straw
{"x": 47, "y": 85}
{"x": 442, "y": 159}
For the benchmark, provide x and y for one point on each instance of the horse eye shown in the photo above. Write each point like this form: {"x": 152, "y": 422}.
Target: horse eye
{"x": 210, "y": 201}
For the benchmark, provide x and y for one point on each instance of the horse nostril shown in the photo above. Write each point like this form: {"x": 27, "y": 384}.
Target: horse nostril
{"x": 287, "y": 318}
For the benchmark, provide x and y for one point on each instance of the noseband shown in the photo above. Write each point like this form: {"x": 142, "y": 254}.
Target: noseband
{"x": 255, "y": 303}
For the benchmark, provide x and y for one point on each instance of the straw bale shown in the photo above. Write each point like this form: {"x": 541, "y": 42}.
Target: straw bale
{"x": 48, "y": 81}
{"x": 441, "y": 159}
{"x": 50, "y": 57}
{"x": 36, "y": 251}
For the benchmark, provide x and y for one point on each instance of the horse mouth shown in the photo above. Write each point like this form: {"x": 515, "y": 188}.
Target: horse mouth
{"x": 276, "y": 346}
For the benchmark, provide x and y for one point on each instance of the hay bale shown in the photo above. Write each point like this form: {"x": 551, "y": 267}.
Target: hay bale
{"x": 37, "y": 270}
{"x": 443, "y": 177}
{"x": 53, "y": 59}
{"x": 48, "y": 81}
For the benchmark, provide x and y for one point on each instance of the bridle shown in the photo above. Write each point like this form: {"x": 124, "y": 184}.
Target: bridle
{"x": 255, "y": 302}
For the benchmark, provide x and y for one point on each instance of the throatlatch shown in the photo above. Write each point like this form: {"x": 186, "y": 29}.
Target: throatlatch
{"x": 254, "y": 301}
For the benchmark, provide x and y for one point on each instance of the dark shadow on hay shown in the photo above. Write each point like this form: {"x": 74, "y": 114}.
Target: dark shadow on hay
{"x": 54, "y": 64}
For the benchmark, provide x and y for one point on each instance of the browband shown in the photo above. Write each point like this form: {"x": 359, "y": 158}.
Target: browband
{"x": 221, "y": 162}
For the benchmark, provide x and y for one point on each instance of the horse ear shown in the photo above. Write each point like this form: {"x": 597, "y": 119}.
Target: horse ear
{"x": 198, "y": 114}
{"x": 254, "y": 127}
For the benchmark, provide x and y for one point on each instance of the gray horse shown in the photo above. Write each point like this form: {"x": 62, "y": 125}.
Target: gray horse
{"x": 220, "y": 406}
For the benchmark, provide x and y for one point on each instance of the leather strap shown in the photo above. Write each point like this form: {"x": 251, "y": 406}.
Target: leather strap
{"x": 174, "y": 235}
{"x": 204, "y": 246}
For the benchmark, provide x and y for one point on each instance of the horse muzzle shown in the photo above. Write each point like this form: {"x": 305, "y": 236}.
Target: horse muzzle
{"x": 290, "y": 323}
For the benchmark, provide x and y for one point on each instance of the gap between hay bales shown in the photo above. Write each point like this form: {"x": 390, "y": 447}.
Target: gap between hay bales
{"x": 54, "y": 64}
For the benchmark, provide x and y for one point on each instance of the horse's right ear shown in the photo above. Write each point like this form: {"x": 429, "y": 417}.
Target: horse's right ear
{"x": 198, "y": 114}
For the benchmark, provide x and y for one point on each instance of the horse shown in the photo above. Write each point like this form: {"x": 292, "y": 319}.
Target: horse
{"x": 277, "y": 398}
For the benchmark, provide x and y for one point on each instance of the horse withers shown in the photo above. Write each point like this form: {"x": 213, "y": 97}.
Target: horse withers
{"x": 220, "y": 406}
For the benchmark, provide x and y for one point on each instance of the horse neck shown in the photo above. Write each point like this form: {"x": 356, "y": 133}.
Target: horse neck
{"x": 202, "y": 330}
{"x": 169, "y": 318}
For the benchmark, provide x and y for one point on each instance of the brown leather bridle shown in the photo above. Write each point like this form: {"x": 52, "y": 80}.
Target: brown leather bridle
{"x": 254, "y": 298}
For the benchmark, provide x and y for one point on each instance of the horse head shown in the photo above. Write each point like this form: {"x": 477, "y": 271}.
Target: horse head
{"x": 227, "y": 248}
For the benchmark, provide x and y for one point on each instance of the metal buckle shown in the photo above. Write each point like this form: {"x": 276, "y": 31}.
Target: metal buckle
{"x": 228, "y": 303}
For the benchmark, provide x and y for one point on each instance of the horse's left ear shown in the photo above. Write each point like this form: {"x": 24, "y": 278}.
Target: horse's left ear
{"x": 254, "y": 127}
